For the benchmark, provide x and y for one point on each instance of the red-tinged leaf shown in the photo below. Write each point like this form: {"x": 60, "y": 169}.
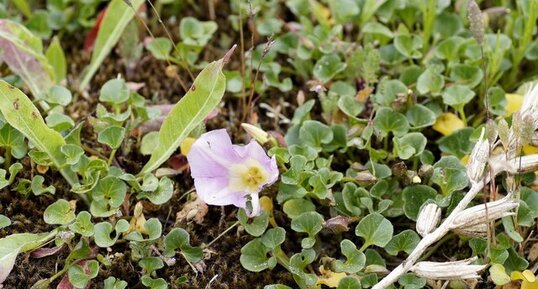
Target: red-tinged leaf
{"x": 178, "y": 162}
{"x": 44, "y": 252}
{"x": 64, "y": 283}
{"x": 89, "y": 41}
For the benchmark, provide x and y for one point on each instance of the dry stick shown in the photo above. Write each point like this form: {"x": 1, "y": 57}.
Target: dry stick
{"x": 169, "y": 37}
{"x": 242, "y": 44}
{"x": 429, "y": 239}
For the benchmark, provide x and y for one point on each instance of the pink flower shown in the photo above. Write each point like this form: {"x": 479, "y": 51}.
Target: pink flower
{"x": 227, "y": 174}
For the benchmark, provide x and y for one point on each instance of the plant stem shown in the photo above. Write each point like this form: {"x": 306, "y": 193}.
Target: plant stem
{"x": 111, "y": 157}
{"x": 222, "y": 234}
{"x": 7, "y": 161}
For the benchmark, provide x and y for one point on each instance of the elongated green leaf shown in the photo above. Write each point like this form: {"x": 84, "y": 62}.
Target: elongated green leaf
{"x": 117, "y": 16}
{"x": 23, "y": 53}
{"x": 21, "y": 113}
{"x": 204, "y": 95}
{"x": 12, "y": 245}
{"x": 56, "y": 57}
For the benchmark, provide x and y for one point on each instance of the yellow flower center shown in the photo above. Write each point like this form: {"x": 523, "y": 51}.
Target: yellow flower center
{"x": 248, "y": 177}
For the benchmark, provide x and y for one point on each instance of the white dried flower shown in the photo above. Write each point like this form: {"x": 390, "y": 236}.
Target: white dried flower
{"x": 478, "y": 159}
{"x": 477, "y": 231}
{"x": 516, "y": 165}
{"x": 479, "y": 214}
{"x": 448, "y": 270}
{"x": 428, "y": 218}
{"x": 529, "y": 108}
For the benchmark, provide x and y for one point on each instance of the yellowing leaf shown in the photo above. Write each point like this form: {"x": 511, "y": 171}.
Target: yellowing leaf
{"x": 498, "y": 274}
{"x": 464, "y": 160}
{"x": 529, "y": 276}
{"x": 185, "y": 145}
{"x": 266, "y": 204}
{"x": 447, "y": 123}
{"x": 530, "y": 149}
{"x": 329, "y": 278}
{"x": 513, "y": 103}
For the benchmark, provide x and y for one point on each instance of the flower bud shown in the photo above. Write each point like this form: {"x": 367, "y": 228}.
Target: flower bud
{"x": 256, "y": 133}
{"x": 479, "y": 214}
{"x": 448, "y": 270}
{"x": 428, "y": 218}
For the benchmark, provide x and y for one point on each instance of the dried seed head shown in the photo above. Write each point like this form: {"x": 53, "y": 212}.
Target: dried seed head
{"x": 428, "y": 218}
{"x": 479, "y": 214}
{"x": 478, "y": 159}
{"x": 529, "y": 108}
{"x": 448, "y": 270}
{"x": 476, "y": 21}
{"x": 477, "y": 231}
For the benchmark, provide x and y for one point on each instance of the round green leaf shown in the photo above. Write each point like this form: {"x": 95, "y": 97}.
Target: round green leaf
{"x": 457, "y": 95}
{"x": 59, "y": 213}
{"x": 387, "y": 120}
{"x": 375, "y": 230}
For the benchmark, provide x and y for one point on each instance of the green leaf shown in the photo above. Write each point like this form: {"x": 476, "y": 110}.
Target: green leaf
{"x": 38, "y": 188}
{"x": 113, "y": 283}
{"x": 349, "y": 283}
{"x": 112, "y": 136}
{"x": 410, "y": 145}
{"x": 405, "y": 241}
{"x": 458, "y": 143}
{"x": 514, "y": 262}
{"x": 355, "y": 259}
{"x": 254, "y": 256}
{"x": 375, "y": 230}
{"x": 410, "y": 281}
{"x": 255, "y": 226}
{"x": 12, "y": 245}
{"x": 149, "y": 142}
{"x": 420, "y": 116}
{"x": 430, "y": 81}
{"x": 387, "y": 120}
{"x": 510, "y": 229}
{"x": 159, "y": 283}
{"x": 497, "y": 100}
{"x": 273, "y": 238}
{"x": 114, "y": 91}
{"x": 83, "y": 224}
{"x": 457, "y": 95}
{"x": 295, "y": 207}
{"x": 327, "y": 67}
{"x": 180, "y": 239}
{"x": 466, "y": 74}
{"x": 276, "y": 286}
{"x": 414, "y": 197}
{"x": 161, "y": 194}
{"x": 153, "y": 228}
{"x": 4, "y": 221}
{"x": 80, "y": 275}
{"x": 116, "y": 18}
{"x": 151, "y": 264}
{"x": 450, "y": 175}
{"x": 13, "y": 140}
{"x": 59, "y": 213}
{"x": 59, "y": 121}
{"x": 72, "y": 153}
{"x": 103, "y": 230}
{"x": 56, "y": 58}
{"x": 23, "y": 53}
{"x": 21, "y": 113}
{"x": 408, "y": 45}
{"x": 310, "y": 223}
{"x": 315, "y": 134}
{"x": 160, "y": 48}
{"x": 204, "y": 95}
{"x": 107, "y": 196}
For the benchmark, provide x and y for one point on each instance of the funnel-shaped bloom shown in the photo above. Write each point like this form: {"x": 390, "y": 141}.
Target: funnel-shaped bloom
{"x": 227, "y": 174}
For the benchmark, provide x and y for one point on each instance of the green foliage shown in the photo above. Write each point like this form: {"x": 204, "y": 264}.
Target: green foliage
{"x": 60, "y": 212}
{"x": 375, "y": 230}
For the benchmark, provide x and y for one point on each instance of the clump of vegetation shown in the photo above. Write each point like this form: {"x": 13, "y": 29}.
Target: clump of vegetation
{"x": 390, "y": 144}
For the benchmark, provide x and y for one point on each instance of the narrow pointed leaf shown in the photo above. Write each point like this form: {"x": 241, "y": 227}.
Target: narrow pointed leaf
{"x": 204, "y": 95}
{"x": 116, "y": 18}
{"x": 21, "y": 113}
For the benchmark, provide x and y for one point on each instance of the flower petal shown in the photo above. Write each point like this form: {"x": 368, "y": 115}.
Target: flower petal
{"x": 212, "y": 154}
{"x": 255, "y": 150}
{"x": 215, "y": 191}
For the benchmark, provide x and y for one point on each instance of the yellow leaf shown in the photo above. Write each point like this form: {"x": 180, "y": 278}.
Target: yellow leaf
{"x": 447, "y": 123}
{"x": 329, "y": 278}
{"x": 464, "y": 160}
{"x": 529, "y": 285}
{"x": 186, "y": 144}
{"x": 529, "y": 276}
{"x": 266, "y": 204}
{"x": 513, "y": 103}
{"x": 529, "y": 150}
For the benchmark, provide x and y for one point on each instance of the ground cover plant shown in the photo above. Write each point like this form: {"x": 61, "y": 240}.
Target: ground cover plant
{"x": 268, "y": 144}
